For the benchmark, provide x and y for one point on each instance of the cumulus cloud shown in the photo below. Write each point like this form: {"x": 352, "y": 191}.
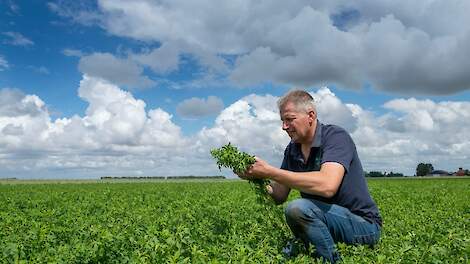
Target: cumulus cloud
{"x": 253, "y": 124}
{"x": 332, "y": 110}
{"x": 23, "y": 122}
{"x": 120, "y": 71}
{"x": 12, "y": 130}
{"x": 396, "y": 140}
{"x": 14, "y": 103}
{"x": 398, "y": 46}
{"x": 199, "y": 107}
{"x": 303, "y": 55}
{"x": 17, "y": 39}
{"x": 415, "y": 131}
{"x": 117, "y": 136}
{"x": 164, "y": 59}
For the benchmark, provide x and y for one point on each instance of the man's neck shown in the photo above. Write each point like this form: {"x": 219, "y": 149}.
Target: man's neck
{"x": 311, "y": 135}
{"x": 307, "y": 145}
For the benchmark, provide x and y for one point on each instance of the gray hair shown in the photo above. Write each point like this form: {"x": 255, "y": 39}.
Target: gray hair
{"x": 302, "y": 100}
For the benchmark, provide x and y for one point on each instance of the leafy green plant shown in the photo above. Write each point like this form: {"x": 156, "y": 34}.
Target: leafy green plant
{"x": 230, "y": 157}
{"x": 425, "y": 221}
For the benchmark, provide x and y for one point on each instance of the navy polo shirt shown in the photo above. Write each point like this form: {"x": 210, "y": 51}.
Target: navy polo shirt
{"x": 333, "y": 144}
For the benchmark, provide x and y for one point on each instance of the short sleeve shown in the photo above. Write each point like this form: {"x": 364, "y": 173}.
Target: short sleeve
{"x": 339, "y": 147}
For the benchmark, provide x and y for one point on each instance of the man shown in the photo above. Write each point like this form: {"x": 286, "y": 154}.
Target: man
{"x": 321, "y": 161}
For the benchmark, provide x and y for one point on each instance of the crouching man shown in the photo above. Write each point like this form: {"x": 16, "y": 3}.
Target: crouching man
{"x": 321, "y": 162}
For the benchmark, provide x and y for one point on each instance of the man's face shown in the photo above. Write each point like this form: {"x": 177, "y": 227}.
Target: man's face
{"x": 297, "y": 124}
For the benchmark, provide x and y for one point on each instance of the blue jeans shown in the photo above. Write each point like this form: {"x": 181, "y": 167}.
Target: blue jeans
{"x": 323, "y": 224}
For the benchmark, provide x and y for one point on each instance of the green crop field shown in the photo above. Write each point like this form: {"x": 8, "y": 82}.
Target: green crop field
{"x": 425, "y": 221}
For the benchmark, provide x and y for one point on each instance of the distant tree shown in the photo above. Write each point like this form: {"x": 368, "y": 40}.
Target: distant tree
{"x": 375, "y": 174}
{"x": 392, "y": 174}
{"x": 424, "y": 169}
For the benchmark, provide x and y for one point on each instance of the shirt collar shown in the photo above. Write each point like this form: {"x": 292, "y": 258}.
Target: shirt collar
{"x": 316, "y": 143}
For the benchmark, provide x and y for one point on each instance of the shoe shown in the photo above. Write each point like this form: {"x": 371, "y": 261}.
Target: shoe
{"x": 293, "y": 247}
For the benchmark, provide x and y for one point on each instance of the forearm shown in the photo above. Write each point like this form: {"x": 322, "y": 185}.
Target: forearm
{"x": 323, "y": 183}
{"x": 313, "y": 182}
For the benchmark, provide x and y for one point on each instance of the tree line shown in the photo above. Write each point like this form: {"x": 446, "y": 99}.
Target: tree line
{"x": 160, "y": 177}
{"x": 424, "y": 169}
{"x": 382, "y": 174}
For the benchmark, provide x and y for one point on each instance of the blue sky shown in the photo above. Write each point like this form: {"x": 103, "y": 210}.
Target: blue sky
{"x": 392, "y": 72}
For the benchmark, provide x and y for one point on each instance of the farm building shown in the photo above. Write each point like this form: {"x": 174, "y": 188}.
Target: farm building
{"x": 460, "y": 172}
{"x": 439, "y": 173}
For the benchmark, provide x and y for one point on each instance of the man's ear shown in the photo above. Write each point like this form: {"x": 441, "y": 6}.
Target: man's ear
{"x": 312, "y": 114}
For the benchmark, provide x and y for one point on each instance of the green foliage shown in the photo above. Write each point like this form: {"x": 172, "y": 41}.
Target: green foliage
{"x": 230, "y": 157}
{"x": 380, "y": 174}
{"x": 425, "y": 221}
{"x": 393, "y": 174}
{"x": 424, "y": 169}
{"x": 375, "y": 174}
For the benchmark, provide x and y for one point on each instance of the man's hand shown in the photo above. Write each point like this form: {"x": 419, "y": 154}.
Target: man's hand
{"x": 259, "y": 170}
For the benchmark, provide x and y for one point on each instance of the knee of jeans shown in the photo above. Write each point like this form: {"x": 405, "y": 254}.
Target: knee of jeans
{"x": 299, "y": 209}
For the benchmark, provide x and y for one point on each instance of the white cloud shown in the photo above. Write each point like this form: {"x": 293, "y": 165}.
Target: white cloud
{"x": 14, "y": 103}
{"x": 331, "y": 110}
{"x": 23, "y": 122}
{"x": 17, "y": 39}
{"x": 12, "y": 130}
{"x": 82, "y": 12}
{"x": 117, "y": 117}
{"x": 252, "y": 123}
{"x": 165, "y": 59}
{"x": 120, "y": 71}
{"x": 72, "y": 53}
{"x": 3, "y": 63}
{"x": 199, "y": 107}
{"x": 255, "y": 67}
{"x": 303, "y": 55}
{"x": 117, "y": 136}
{"x": 414, "y": 131}
{"x": 398, "y": 46}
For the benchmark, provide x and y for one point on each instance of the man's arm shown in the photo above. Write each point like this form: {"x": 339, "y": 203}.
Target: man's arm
{"x": 324, "y": 183}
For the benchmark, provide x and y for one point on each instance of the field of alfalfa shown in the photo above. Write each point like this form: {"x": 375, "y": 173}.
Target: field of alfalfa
{"x": 425, "y": 221}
